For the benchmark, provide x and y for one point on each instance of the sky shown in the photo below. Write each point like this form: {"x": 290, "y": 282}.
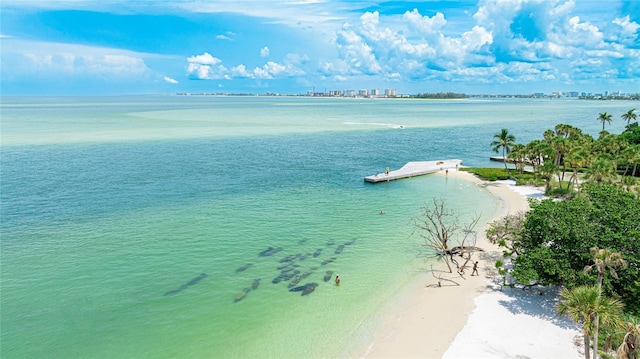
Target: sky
{"x": 112, "y": 47}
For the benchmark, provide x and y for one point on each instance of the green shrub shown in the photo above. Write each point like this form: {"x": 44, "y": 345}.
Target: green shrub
{"x": 489, "y": 173}
{"x": 556, "y": 192}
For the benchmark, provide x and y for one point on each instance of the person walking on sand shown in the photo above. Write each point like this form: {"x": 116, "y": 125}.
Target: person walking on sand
{"x": 337, "y": 279}
{"x": 475, "y": 268}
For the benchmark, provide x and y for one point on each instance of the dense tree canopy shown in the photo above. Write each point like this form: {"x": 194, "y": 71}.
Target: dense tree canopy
{"x": 593, "y": 230}
{"x": 565, "y": 153}
{"x": 557, "y": 237}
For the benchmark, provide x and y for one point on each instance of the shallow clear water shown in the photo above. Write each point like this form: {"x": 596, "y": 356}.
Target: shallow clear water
{"x": 113, "y": 208}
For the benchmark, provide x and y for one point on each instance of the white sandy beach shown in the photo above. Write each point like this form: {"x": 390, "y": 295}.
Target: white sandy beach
{"x": 476, "y": 319}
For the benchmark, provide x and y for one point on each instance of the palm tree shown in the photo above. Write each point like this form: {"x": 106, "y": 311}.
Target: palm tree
{"x": 561, "y": 146}
{"x": 601, "y": 170}
{"x": 518, "y": 156}
{"x": 629, "y": 115}
{"x": 578, "y": 157}
{"x": 505, "y": 140}
{"x": 603, "y": 259}
{"x": 604, "y": 117}
{"x": 610, "y": 145}
{"x": 630, "y": 342}
{"x": 586, "y": 306}
{"x": 635, "y": 159}
{"x": 546, "y": 170}
{"x": 534, "y": 153}
{"x": 627, "y": 155}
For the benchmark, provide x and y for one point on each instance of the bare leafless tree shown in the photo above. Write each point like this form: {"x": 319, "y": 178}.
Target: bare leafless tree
{"x": 443, "y": 231}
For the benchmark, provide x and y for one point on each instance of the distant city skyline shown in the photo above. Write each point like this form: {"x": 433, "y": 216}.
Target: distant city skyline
{"x": 53, "y": 47}
{"x": 392, "y": 92}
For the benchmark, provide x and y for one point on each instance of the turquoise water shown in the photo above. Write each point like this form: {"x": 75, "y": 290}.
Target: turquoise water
{"x": 113, "y": 209}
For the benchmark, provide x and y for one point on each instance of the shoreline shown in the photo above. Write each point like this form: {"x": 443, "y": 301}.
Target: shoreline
{"x": 432, "y": 322}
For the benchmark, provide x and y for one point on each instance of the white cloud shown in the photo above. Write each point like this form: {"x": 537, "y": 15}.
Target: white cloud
{"x": 604, "y": 53}
{"x": 269, "y": 70}
{"x": 502, "y": 41}
{"x": 227, "y": 36}
{"x": 119, "y": 64}
{"x": 357, "y": 53}
{"x": 560, "y": 51}
{"x": 294, "y": 14}
{"x": 563, "y": 8}
{"x": 49, "y": 59}
{"x": 475, "y": 39}
{"x": 169, "y": 80}
{"x": 207, "y": 72}
{"x": 577, "y": 32}
{"x": 340, "y": 78}
{"x": 628, "y": 29}
{"x": 425, "y": 24}
{"x": 206, "y": 67}
{"x": 296, "y": 59}
{"x": 204, "y": 59}
{"x": 240, "y": 71}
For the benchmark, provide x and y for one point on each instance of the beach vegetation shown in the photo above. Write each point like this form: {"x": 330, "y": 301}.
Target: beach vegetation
{"x": 528, "y": 179}
{"x": 489, "y": 173}
{"x": 604, "y": 118}
{"x": 518, "y": 156}
{"x": 628, "y": 338}
{"x": 499, "y": 174}
{"x": 629, "y": 116}
{"x": 503, "y": 270}
{"x": 588, "y": 307}
{"x": 631, "y": 134}
{"x": 603, "y": 259}
{"x": 552, "y": 243}
{"x": 505, "y": 141}
{"x": 559, "y": 192}
{"x": 507, "y": 233}
{"x": 566, "y": 158}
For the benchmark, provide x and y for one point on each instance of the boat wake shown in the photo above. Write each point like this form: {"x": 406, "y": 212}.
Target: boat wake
{"x": 390, "y": 125}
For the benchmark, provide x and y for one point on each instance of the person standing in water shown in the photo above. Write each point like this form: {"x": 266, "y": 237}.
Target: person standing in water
{"x": 337, "y": 279}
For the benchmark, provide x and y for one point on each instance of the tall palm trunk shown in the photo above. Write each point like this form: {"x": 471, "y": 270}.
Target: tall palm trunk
{"x": 586, "y": 345}
{"x": 596, "y": 322}
{"x": 504, "y": 157}
{"x": 595, "y": 337}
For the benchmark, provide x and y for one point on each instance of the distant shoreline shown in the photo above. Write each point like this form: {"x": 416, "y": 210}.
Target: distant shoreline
{"x": 625, "y": 97}
{"x": 628, "y": 97}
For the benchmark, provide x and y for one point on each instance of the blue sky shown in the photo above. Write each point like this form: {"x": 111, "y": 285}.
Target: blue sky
{"x": 113, "y": 47}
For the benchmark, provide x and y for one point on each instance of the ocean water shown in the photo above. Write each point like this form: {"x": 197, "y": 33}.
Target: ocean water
{"x": 133, "y": 226}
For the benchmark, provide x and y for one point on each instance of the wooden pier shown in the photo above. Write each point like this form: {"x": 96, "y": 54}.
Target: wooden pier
{"x": 412, "y": 169}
